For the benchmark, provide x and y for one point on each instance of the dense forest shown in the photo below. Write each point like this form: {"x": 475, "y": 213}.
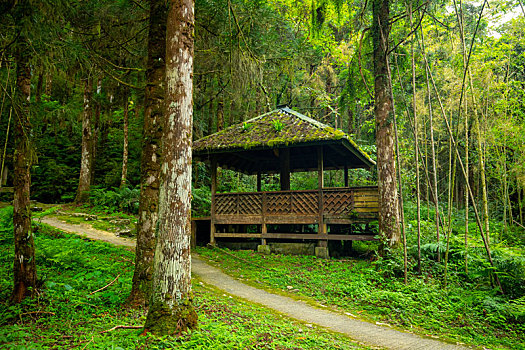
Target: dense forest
{"x": 433, "y": 91}
{"x": 252, "y": 56}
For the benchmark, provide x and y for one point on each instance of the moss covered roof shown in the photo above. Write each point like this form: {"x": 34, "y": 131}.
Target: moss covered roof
{"x": 279, "y": 128}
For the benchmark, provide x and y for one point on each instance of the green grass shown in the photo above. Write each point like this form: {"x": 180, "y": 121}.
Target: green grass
{"x": 467, "y": 312}
{"x": 66, "y": 314}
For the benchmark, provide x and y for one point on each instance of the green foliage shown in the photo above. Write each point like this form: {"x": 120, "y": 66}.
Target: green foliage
{"x": 277, "y": 125}
{"x": 462, "y": 311}
{"x": 125, "y": 199}
{"x": 201, "y": 202}
{"x": 246, "y": 126}
{"x": 77, "y": 302}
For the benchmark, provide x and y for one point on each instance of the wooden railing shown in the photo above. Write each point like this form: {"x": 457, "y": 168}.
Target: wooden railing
{"x": 329, "y": 206}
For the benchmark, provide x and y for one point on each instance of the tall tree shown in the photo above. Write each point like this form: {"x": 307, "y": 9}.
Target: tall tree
{"x": 125, "y": 146}
{"x": 384, "y": 114}
{"x": 24, "y": 261}
{"x": 86, "y": 163}
{"x": 171, "y": 308}
{"x": 151, "y": 154}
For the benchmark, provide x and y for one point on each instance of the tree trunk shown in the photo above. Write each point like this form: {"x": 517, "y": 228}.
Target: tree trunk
{"x": 39, "y": 85}
{"x": 151, "y": 155}
{"x": 466, "y": 191}
{"x": 384, "y": 110}
{"x": 171, "y": 308}
{"x": 416, "y": 145}
{"x": 125, "y": 146}
{"x": 96, "y": 130}
{"x": 220, "y": 114}
{"x": 84, "y": 182}
{"x": 24, "y": 261}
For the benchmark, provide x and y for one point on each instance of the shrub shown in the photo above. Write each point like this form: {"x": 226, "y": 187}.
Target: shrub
{"x": 125, "y": 199}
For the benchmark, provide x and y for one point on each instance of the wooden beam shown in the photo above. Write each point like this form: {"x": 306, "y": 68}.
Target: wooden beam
{"x": 346, "y": 176}
{"x": 238, "y": 235}
{"x": 320, "y": 183}
{"x": 297, "y": 236}
{"x": 259, "y": 181}
{"x": 213, "y": 192}
{"x": 320, "y": 168}
{"x": 324, "y": 237}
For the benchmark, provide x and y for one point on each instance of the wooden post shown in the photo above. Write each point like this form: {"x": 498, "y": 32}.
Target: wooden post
{"x": 284, "y": 162}
{"x": 346, "y": 176}
{"x": 259, "y": 182}
{"x": 264, "y": 229}
{"x": 213, "y": 191}
{"x": 320, "y": 184}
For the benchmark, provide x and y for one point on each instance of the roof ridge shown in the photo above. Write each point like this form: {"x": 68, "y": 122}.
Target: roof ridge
{"x": 288, "y": 110}
{"x": 310, "y": 120}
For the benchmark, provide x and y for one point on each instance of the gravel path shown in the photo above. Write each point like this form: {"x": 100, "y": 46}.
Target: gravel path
{"x": 364, "y": 332}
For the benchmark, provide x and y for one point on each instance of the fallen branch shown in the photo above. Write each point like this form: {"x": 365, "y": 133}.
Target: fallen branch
{"x": 107, "y": 285}
{"x": 517, "y": 223}
{"x": 85, "y": 346}
{"x": 121, "y": 327}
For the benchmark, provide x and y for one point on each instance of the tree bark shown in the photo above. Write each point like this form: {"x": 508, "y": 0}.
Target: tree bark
{"x": 171, "y": 308}
{"x": 125, "y": 146}
{"x": 151, "y": 155}
{"x": 24, "y": 267}
{"x": 84, "y": 181}
{"x": 96, "y": 130}
{"x": 384, "y": 113}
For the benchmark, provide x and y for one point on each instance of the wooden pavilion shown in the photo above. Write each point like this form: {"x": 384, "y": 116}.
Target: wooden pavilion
{"x": 280, "y": 142}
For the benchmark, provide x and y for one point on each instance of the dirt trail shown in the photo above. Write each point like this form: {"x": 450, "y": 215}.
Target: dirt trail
{"x": 88, "y": 231}
{"x": 364, "y": 332}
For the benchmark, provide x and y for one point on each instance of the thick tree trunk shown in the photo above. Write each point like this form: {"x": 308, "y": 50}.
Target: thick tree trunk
{"x": 24, "y": 262}
{"x": 171, "y": 308}
{"x": 125, "y": 146}
{"x": 84, "y": 181}
{"x": 384, "y": 112}
{"x": 151, "y": 155}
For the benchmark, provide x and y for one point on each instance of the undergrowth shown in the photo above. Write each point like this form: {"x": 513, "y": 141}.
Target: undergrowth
{"x": 464, "y": 311}
{"x": 72, "y": 307}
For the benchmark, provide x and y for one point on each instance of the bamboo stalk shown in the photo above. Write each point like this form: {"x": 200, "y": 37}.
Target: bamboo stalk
{"x": 433, "y": 149}
{"x": 478, "y": 221}
{"x": 416, "y": 147}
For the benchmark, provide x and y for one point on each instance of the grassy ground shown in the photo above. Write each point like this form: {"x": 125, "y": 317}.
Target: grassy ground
{"x": 465, "y": 312}
{"x": 68, "y": 313}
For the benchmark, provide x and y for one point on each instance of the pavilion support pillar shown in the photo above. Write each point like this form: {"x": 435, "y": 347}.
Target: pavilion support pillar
{"x": 284, "y": 162}
{"x": 213, "y": 191}
{"x": 322, "y": 245}
{"x": 346, "y": 176}
{"x": 264, "y": 229}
